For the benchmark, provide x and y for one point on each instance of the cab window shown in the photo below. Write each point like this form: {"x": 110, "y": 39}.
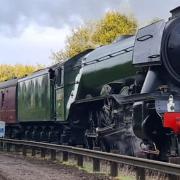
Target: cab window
{"x": 59, "y": 77}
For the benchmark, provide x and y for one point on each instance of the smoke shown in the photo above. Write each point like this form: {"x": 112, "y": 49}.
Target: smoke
{"x": 16, "y": 15}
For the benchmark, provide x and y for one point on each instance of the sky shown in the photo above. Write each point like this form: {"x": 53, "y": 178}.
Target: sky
{"x": 30, "y": 30}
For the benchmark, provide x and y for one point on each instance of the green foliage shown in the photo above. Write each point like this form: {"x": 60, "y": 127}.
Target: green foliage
{"x": 113, "y": 25}
{"x": 94, "y": 34}
{"x": 12, "y": 71}
{"x": 80, "y": 40}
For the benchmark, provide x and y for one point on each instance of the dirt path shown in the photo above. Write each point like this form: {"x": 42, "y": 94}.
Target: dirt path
{"x": 15, "y": 167}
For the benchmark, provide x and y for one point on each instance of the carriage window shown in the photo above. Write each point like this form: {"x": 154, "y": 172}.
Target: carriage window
{"x": 58, "y": 73}
{"x": 2, "y": 98}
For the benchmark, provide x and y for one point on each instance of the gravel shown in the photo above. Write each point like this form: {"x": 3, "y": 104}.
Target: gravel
{"x": 16, "y": 167}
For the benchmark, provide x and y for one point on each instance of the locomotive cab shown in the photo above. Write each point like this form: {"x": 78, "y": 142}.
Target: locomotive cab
{"x": 59, "y": 93}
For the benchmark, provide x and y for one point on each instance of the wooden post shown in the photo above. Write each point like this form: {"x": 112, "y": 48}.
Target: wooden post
{"x": 53, "y": 154}
{"x": 96, "y": 165}
{"x": 1, "y": 146}
{"x": 140, "y": 173}
{"x": 24, "y": 150}
{"x": 65, "y": 156}
{"x": 43, "y": 153}
{"x": 173, "y": 177}
{"x": 80, "y": 157}
{"x": 175, "y": 160}
{"x": 17, "y": 148}
{"x": 80, "y": 160}
{"x": 33, "y": 153}
{"x": 96, "y": 162}
{"x": 114, "y": 169}
{"x": 8, "y": 146}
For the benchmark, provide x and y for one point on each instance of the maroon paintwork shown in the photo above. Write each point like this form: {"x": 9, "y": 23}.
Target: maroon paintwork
{"x": 8, "y": 101}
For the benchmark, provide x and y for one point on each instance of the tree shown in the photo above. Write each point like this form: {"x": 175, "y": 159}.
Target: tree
{"x": 80, "y": 40}
{"x": 112, "y": 26}
{"x": 94, "y": 34}
{"x": 16, "y": 71}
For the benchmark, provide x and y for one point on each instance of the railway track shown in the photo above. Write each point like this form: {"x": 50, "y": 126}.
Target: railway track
{"x": 171, "y": 171}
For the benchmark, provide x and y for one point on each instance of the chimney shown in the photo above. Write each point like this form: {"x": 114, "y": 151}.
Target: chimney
{"x": 175, "y": 12}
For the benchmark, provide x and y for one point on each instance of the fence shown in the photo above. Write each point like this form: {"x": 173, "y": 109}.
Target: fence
{"x": 172, "y": 170}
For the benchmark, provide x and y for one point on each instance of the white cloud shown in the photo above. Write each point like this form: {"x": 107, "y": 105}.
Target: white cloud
{"x": 34, "y": 46}
{"x": 30, "y": 30}
{"x": 16, "y": 15}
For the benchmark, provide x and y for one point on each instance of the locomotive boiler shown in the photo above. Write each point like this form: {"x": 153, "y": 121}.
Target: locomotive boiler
{"x": 124, "y": 96}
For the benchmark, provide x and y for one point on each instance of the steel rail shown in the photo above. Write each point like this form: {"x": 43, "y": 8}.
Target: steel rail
{"x": 164, "y": 167}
